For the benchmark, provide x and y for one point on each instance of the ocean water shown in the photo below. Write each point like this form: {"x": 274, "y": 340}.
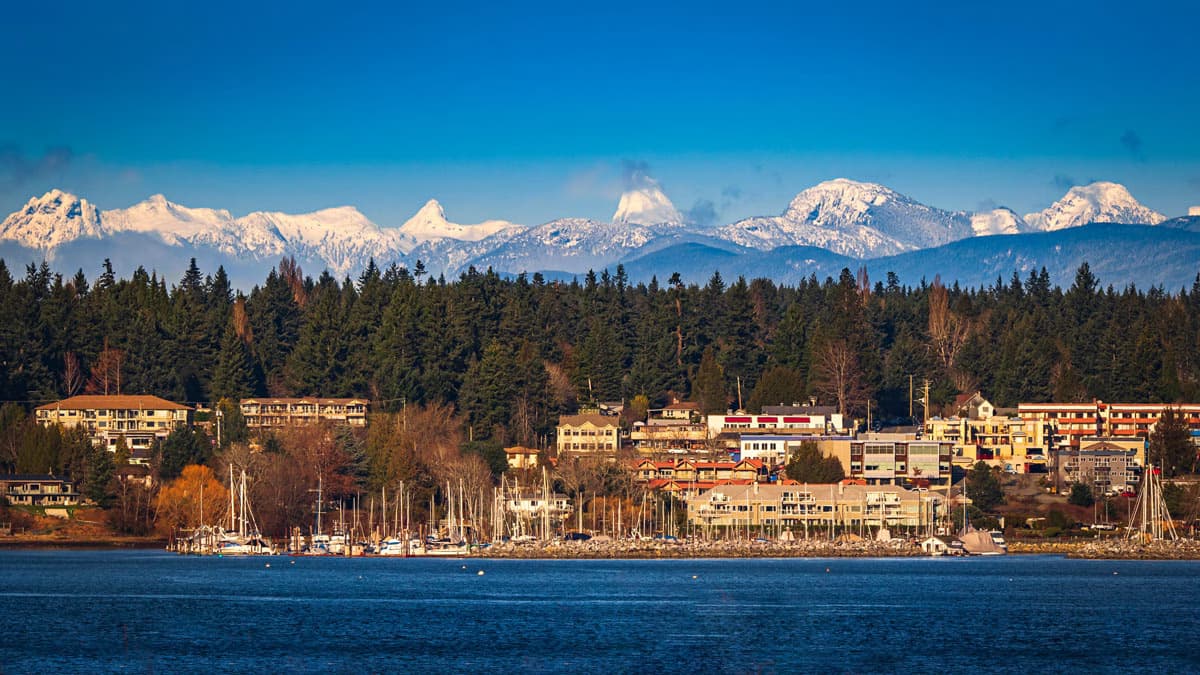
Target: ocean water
{"x": 148, "y": 611}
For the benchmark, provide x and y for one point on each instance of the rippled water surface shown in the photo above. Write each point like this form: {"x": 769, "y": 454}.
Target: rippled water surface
{"x": 141, "y": 611}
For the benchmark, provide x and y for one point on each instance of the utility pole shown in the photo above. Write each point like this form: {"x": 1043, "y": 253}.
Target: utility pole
{"x": 925, "y": 402}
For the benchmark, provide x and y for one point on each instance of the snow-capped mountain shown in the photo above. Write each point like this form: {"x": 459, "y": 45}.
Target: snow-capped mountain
{"x": 429, "y": 223}
{"x": 51, "y": 220}
{"x": 997, "y": 221}
{"x": 342, "y": 237}
{"x": 568, "y": 244}
{"x": 176, "y": 224}
{"x": 852, "y": 218}
{"x": 844, "y": 217}
{"x": 1100, "y": 202}
{"x": 647, "y": 205}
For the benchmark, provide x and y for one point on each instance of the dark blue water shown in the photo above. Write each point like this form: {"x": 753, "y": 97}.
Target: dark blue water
{"x": 142, "y": 611}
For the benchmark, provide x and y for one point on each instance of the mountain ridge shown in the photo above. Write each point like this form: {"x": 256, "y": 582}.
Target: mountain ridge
{"x": 852, "y": 219}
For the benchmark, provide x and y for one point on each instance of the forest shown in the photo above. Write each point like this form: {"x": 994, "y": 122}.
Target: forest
{"x": 510, "y": 354}
{"x": 457, "y": 369}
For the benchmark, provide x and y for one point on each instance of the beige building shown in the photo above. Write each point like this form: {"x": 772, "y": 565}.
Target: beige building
{"x": 139, "y": 420}
{"x": 792, "y": 506}
{"x": 588, "y": 433}
{"x": 274, "y": 413}
{"x": 521, "y": 458}
{"x": 979, "y": 432}
{"x": 887, "y": 462}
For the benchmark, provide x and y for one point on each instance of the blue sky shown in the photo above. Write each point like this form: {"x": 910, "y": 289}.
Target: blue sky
{"x": 529, "y": 111}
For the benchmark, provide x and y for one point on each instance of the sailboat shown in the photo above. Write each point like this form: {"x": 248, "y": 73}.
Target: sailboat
{"x": 454, "y": 545}
{"x": 1151, "y": 521}
{"x": 319, "y": 541}
{"x": 979, "y": 542}
{"x": 243, "y": 537}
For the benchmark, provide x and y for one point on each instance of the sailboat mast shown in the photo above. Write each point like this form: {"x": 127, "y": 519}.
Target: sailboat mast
{"x": 231, "y": 504}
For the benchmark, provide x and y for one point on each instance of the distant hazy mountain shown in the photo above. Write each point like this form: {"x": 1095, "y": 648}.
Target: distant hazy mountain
{"x": 1099, "y": 202}
{"x": 1117, "y": 254}
{"x": 571, "y": 245}
{"x": 838, "y": 223}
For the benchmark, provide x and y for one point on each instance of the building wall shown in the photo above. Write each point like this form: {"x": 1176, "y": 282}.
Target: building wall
{"x": 795, "y": 506}
{"x": 262, "y": 413}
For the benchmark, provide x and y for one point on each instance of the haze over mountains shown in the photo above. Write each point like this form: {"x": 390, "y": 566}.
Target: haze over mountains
{"x": 837, "y": 223}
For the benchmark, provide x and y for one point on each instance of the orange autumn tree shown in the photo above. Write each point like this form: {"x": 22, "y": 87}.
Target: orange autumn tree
{"x": 179, "y": 501}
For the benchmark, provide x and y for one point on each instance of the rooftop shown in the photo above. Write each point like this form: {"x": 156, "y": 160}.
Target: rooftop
{"x": 113, "y": 402}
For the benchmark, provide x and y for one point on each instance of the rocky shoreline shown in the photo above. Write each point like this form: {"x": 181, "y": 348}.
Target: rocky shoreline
{"x": 1106, "y": 549}
{"x": 700, "y": 549}
{"x": 1110, "y": 549}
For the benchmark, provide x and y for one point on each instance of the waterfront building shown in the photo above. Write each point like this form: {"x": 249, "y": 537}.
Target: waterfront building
{"x": 138, "y": 420}
{"x": 38, "y": 490}
{"x": 276, "y": 413}
{"x": 789, "y": 505}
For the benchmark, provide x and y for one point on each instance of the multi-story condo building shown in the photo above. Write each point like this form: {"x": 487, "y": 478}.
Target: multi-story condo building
{"x": 588, "y": 433}
{"x": 138, "y": 420}
{"x": 797, "y": 507}
{"x": 1069, "y": 423}
{"x": 884, "y": 462}
{"x": 274, "y": 413}
{"x": 978, "y": 432}
{"x": 1107, "y": 467}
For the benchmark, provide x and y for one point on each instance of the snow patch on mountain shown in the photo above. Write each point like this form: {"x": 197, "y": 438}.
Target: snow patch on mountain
{"x": 1100, "y": 202}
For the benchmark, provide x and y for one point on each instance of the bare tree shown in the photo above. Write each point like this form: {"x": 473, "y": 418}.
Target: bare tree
{"x": 837, "y": 375}
{"x": 106, "y": 371}
{"x": 948, "y": 332}
{"x": 73, "y": 379}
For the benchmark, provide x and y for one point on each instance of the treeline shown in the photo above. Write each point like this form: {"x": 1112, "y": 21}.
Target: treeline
{"x": 510, "y": 354}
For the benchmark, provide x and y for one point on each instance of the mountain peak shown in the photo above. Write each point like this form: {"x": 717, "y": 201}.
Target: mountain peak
{"x": 1098, "y": 202}
{"x": 431, "y": 212}
{"x": 55, "y": 218}
{"x": 430, "y": 223}
{"x": 646, "y": 205}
